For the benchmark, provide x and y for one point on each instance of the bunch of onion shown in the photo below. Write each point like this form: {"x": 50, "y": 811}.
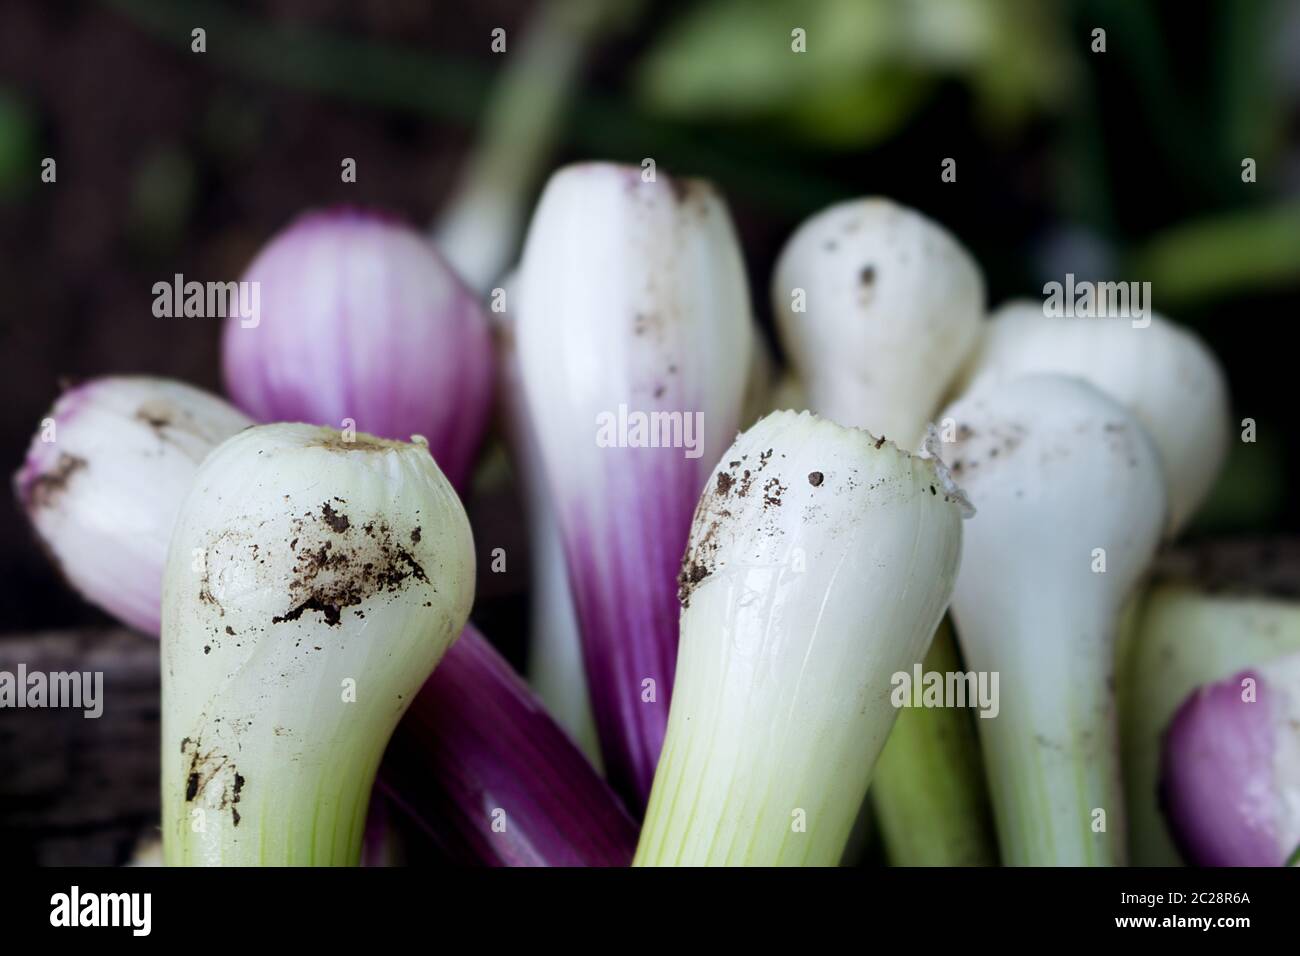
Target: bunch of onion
{"x": 312, "y": 576}
{"x": 105, "y": 495}
{"x": 479, "y": 763}
{"x": 407, "y": 350}
{"x": 1083, "y": 442}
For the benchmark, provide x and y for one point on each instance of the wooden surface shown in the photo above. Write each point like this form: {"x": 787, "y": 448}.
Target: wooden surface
{"x": 1266, "y": 567}
{"x": 75, "y": 790}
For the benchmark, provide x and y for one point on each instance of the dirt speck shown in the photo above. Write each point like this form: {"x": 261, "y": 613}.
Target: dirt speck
{"x": 341, "y": 442}
{"x": 815, "y": 478}
{"x": 213, "y": 774}
{"x": 692, "y": 573}
{"x": 154, "y": 414}
{"x": 205, "y": 589}
{"x": 368, "y": 560}
{"x": 772, "y": 491}
{"x": 338, "y": 523}
{"x": 732, "y": 484}
{"x": 47, "y": 488}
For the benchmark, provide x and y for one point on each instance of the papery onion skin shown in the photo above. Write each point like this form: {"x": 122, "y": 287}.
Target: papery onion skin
{"x": 103, "y": 493}
{"x": 362, "y": 320}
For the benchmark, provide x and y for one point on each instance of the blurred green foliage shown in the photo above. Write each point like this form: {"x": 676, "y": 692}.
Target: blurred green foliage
{"x": 1251, "y": 490}
{"x": 870, "y": 67}
{"x": 1222, "y": 255}
{"x": 162, "y": 197}
{"x": 19, "y": 163}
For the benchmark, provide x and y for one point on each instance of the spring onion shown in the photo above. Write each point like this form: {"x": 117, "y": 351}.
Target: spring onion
{"x": 363, "y": 327}
{"x": 104, "y": 478}
{"x": 820, "y": 561}
{"x": 878, "y": 307}
{"x": 1071, "y": 502}
{"x": 635, "y": 342}
{"x": 467, "y": 746}
{"x": 555, "y": 666}
{"x": 313, "y": 582}
{"x": 928, "y": 790}
{"x": 1162, "y": 373}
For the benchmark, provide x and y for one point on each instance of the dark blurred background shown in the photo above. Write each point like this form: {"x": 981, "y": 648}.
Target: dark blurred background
{"x": 1124, "y": 164}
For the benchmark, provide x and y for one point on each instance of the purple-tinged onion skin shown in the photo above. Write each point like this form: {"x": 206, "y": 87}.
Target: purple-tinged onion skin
{"x": 624, "y": 585}
{"x": 361, "y": 318}
{"x": 632, "y": 307}
{"x": 381, "y": 843}
{"x": 1217, "y": 782}
{"x": 556, "y": 670}
{"x": 477, "y": 749}
{"x": 103, "y": 484}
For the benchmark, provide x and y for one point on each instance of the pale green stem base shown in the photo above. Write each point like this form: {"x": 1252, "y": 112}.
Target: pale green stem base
{"x": 1053, "y": 766}
{"x": 928, "y": 789}
{"x": 312, "y": 814}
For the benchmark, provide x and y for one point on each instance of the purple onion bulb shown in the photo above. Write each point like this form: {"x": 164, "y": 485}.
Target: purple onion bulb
{"x": 363, "y": 324}
{"x": 1230, "y": 769}
{"x": 105, "y": 476}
